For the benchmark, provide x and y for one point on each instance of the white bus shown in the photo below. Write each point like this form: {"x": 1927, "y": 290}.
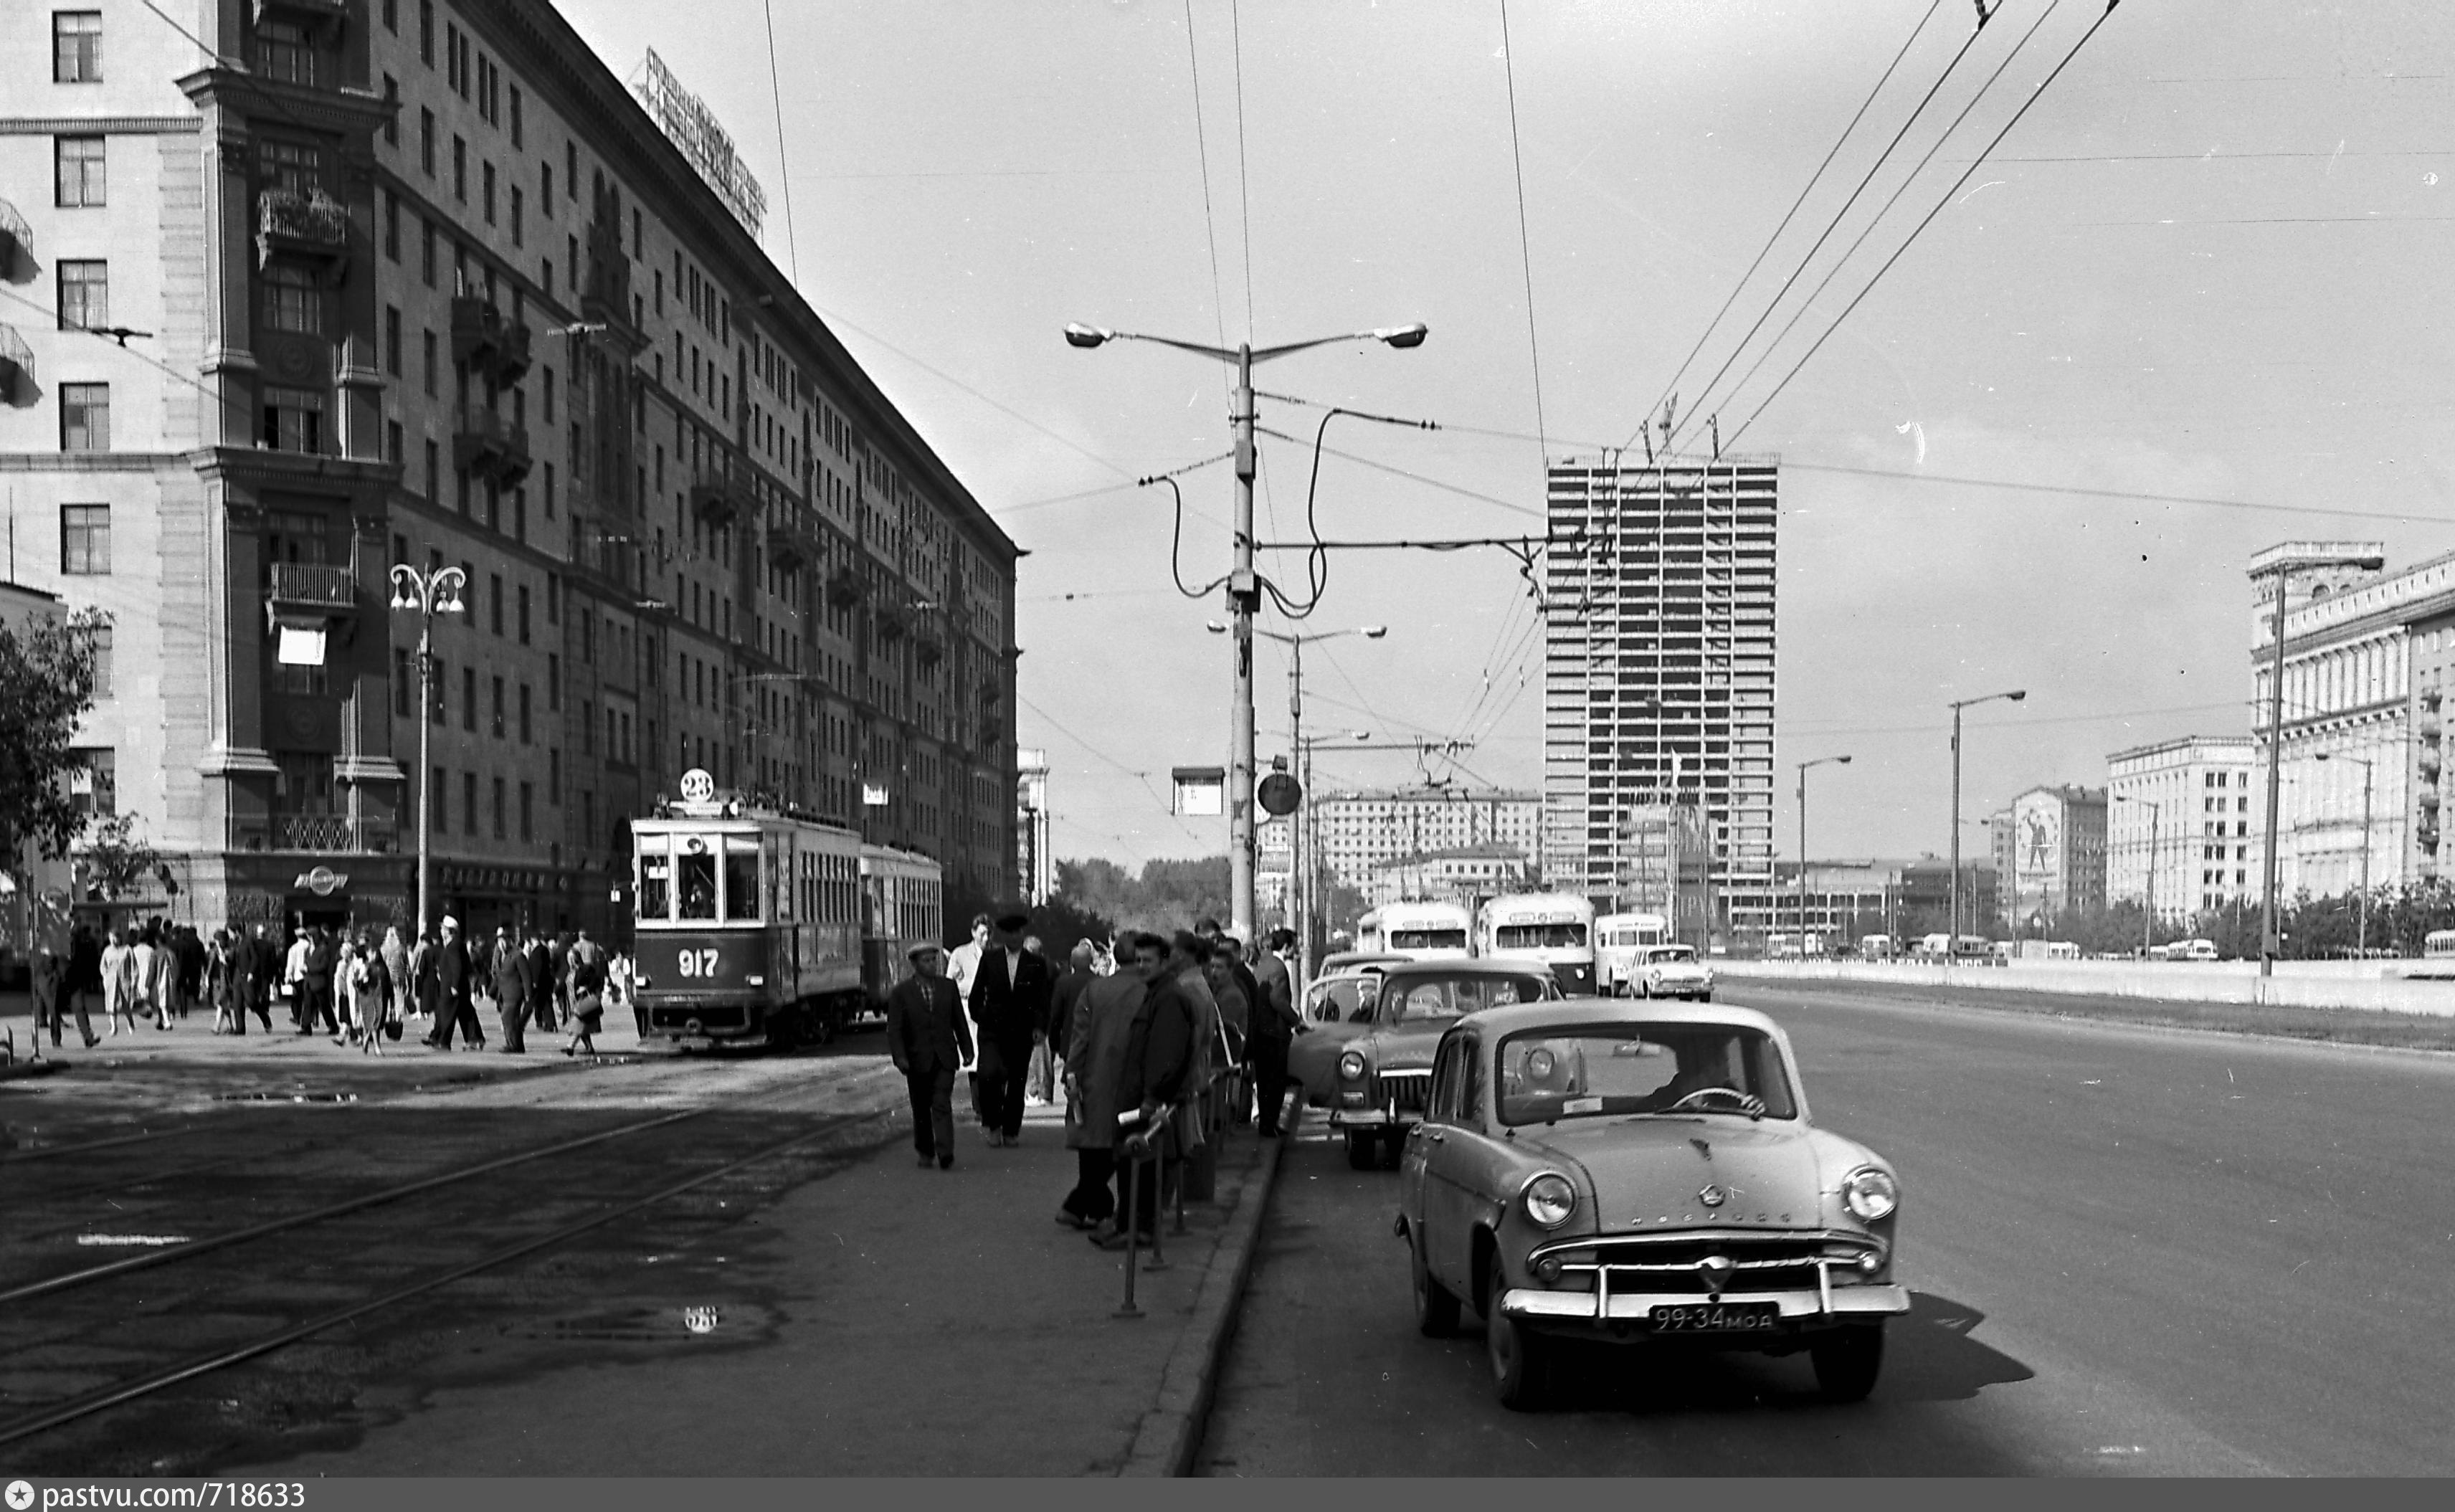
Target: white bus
{"x": 1556, "y": 928}
{"x": 1620, "y": 940}
{"x": 1423, "y": 930}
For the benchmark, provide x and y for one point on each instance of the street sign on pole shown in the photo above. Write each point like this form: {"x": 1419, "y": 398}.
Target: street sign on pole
{"x": 1201, "y": 792}
{"x": 1280, "y": 794}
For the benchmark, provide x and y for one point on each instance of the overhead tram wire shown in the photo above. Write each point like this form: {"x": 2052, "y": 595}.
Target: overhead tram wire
{"x": 1525, "y": 245}
{"x": 1815, "y": 178}
{"x": 784, "y": 164}
{"x": 2034, "y": 96}
{"x": 1835, "y": 223}
{"x": 1143, "y": 777}
{"x": 1877, "y": 219}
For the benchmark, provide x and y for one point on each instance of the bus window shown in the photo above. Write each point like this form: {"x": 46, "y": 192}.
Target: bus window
{"x": 742, "y": 877}
{"x": 694, "y": 881}
{"x": 1541, "y": 936}
{"x": 654, "y": 886}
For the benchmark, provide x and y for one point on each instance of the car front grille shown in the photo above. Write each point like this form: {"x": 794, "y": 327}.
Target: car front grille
{"x": 1406, "y": 1091}
{"x": 1676, "y": 1263}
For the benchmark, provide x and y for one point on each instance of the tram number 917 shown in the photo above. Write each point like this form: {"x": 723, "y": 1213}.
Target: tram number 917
{"x": 696, "y": 962}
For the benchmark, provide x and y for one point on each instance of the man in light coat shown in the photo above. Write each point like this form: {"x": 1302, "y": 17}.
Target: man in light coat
{"x": 963, "y": 964}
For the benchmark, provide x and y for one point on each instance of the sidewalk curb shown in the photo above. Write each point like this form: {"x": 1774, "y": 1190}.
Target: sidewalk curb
{"x": 18, "y": 1069}
{"x": 1170, "y": 1431}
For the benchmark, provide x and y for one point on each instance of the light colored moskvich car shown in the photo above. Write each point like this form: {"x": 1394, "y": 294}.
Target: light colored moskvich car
{"x": 1370, "y": 1070}
{"x": 1624, "y": 1172}
{"x": 1670, "y": 971}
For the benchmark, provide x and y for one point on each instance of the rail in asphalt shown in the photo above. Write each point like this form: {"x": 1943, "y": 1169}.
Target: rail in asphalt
{"x": 145, "y": 1385}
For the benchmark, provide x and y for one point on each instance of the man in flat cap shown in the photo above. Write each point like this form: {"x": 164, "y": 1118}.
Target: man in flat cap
{"x": 927, "y": 1039}
{"x": 1009, "y": 1002}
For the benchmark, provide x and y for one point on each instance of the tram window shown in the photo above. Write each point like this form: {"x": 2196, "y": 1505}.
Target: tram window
{"x": 656, "y": 880}
{"x": 741, "y": 877}
{"x": 696, "y": 879}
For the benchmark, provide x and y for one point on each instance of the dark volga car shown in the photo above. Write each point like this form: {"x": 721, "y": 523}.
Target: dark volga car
{"x": 1370, "y": 1072}
{"x": 1620, "y": 1171}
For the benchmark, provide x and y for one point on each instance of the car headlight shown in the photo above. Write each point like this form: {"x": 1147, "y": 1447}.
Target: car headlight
{"x": 1350, "y": 1066}
{"x": 1548, "y": 1199}
{"x": 1871, "y": 1195}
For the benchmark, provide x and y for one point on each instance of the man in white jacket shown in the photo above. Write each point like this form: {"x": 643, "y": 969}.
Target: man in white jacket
{"x": 963, "y": 964}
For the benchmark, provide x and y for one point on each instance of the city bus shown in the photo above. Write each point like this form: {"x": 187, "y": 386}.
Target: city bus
{"x": 1420, "y": 931}
{"x": 1556, "y": 928}
{"x": 1620, "y": 940}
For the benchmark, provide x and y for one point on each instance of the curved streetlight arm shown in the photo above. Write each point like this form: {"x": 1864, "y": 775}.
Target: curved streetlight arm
{"x": 1400, "y": 337}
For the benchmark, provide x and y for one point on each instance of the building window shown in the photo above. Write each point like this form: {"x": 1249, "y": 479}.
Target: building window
{"x": 528, "y": 797}
{"x": 76, "y": 46}
{"x": 486, "y": 190}
{"x": 293, "y": 419}
{"x": 516, "y": 216}
{"x": 98, "y": 640}
{"x": 426, "y": 351}
{"x": 85, "y": 295}
{"x": 524, "y": 615}
{"x": 468, "y": 699}
{"x": 426, "y": 252}
{"x": 469, "y": 803}
{"x": 426, "y": 34}
{"x": 434, "y": 470}
{"x": 85, "y": 417}
{"x": 426, "y": 140}
{"x": 79, "y": 171}
{"x": 291, "y": 301}
{"x": 393, "y": 442}
{"x": 93, "y": 783}
{"x": 391, "y": 116}
{"x": 291, "y": 166}
{"x": 499, "y": 810}
{"x": 497, "y": 726}
{"x": 525, "y": 701}
{"x": 392, "y": 340}
{"x": 401, "y": 682}
{"x": 283, "y": 51}
{"x": 460, "y": 170}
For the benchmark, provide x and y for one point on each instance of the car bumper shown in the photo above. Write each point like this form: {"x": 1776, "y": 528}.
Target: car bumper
{"x": 1372, "y": 1119}
{"x": 1798, "y": 1308}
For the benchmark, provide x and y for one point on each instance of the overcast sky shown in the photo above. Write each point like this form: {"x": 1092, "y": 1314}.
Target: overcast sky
{"x": 2213, "y": 261}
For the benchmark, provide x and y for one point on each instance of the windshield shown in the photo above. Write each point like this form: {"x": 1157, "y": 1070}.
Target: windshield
{"x": 698, "y": 880}
{"x": 1662, "y": 954}
{"x": 1424, "y": 999}
{"x": 656, "y": 880}
{"x": 1343, "y": 999}
{"x": 1613, "y": 1070}
{"x": 1428, "y": 940}
{"x": 1540, "y": 937}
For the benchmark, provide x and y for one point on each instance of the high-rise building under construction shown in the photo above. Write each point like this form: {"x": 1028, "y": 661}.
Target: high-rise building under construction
{"x": 1659, "y": 672}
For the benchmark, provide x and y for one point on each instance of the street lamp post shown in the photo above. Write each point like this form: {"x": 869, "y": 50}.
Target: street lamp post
{"x": 2362, "y": 907}
{"x": 2148, "y": 924}
{"x": 1835, "y": 761}
{"x": 1243, "y": 585}
{"x": 429, "y": 594}
{"x": 1953, "y": 926}
{"x": 1295, "y": 644}
{"x": 1303, "y": 870}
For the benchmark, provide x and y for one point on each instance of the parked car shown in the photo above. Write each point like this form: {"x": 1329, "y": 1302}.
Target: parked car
{"x": 1370, "y": 1072}
{"x": 1626, "y": 1172}
{"x": 1341, "y": 996}
{"x": 1673, "y": 971}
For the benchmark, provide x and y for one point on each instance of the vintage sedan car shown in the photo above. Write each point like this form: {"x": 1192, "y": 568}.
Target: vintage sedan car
{"x": 1670, "y": 971}
{"x": 1623, "y": 1172}
{"x": 1369, "y": 1070}
{"x": 1345, "y": 988}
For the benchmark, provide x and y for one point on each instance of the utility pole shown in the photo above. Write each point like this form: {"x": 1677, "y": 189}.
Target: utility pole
{"x": 1243, "y": 585}
{"x": 1953, "y": 926}
{"x": 2362, "y": 904}
{"x": 1836, "y": 760}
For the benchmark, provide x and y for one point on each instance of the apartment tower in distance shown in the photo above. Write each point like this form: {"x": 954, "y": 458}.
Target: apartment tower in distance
{"x": 1659, "y": 673}
{"x": 423, "y": 285}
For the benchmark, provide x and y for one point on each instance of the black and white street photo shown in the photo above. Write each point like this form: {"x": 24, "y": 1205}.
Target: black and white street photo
{"x": 1345, "y": 738}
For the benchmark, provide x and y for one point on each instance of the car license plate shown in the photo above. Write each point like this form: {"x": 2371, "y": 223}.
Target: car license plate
{"x": 1716, "y": 1317}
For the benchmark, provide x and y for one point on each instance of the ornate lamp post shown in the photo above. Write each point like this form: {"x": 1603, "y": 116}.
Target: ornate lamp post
{"x": 428, "y": 595}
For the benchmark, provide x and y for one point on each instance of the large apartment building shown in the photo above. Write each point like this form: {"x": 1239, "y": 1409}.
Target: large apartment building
{"x": 1351, "y": 835}
{"x": 2179, "y": 825}
{"x": 1659, "y": 672}
{"x": 400, "y": 284}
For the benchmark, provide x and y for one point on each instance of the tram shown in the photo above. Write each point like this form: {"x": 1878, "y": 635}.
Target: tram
{"x": 903, "y": 904}
{"x": 752, "y": 922}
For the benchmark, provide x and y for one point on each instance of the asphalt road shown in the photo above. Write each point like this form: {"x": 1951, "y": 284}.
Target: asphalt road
{"x": 2131, "y": 1253}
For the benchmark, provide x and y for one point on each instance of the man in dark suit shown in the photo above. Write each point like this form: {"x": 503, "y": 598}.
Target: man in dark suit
{"x": 1275, "y": 1024}
{"x": 452, "y": 977}
{"x": 1009, "y": 1002}
{"x": 511, "y": 984}
{"x": 927, "y": 1039}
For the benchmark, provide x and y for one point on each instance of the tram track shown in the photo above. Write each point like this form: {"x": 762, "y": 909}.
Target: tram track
{"x": 224, "y": 1356}
{"x": 189, "y": 1249}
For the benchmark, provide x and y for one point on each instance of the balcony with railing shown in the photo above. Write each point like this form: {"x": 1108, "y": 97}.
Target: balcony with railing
{"x": 512, "y": 353}
{"x": 16, "y": 365}
{"x": 311, "y": 225}
{"x": 476, "y": 330}
{"x": 488, "y": 445}
{"x": 716, "y": 498}
{"x": 313, "y": 834}
{"x": 790, "y": 547}
{"x": 16, "y": 240}
{"x": 311, "y": 585}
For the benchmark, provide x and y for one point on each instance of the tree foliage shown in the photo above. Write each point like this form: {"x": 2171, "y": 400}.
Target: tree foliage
{"x": 116, "y": 858}
{"x": 1167, "y": 894}
{"x": 46, "y": 671}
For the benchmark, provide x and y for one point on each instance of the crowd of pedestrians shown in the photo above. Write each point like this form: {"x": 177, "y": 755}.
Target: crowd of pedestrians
{"x": 1156, "y": 1039}
{"x": 361, "y": 989}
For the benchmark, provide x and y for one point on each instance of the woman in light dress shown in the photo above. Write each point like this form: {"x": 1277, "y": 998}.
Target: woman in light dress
{"x": 119, "y": 981}
{"x": 370, "y": 989}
